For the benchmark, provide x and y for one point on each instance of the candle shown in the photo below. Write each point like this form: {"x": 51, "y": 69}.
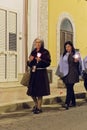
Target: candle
{"x": 38, "y": 54}
{"x": 76, "y": 56}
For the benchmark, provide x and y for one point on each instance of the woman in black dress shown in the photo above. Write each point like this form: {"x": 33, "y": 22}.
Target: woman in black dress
{"x": 38, "y": 87}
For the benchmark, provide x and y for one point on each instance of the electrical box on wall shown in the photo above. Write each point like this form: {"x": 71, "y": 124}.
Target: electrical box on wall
{"x": 50, "y": 75}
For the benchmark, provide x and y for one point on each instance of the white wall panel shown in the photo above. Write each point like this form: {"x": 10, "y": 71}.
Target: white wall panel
{"x": 32, "y": 22}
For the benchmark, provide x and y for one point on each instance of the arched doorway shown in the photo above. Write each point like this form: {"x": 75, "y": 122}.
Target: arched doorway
{"x": 66, "y": 33}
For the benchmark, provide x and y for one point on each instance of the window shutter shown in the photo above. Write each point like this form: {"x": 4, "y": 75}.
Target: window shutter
{"x": 12, "y": 31}
{"x": 12, "y": 57}
{"x": 69, "y": 36}
{"x": 3, "y": 40}
{"x": 62, "y": 41}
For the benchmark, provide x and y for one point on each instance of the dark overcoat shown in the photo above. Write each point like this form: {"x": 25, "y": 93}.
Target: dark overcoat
{"x": 39, "y": 82}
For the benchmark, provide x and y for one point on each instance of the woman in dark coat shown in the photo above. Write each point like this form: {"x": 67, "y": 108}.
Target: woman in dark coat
{"x": 38, "y": 87}
{"x": 70, "y": 74}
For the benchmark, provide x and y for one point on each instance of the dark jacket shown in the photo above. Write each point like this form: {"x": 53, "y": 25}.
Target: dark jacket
{"x": 39, "y": 82}
{"x": 73, "y": 75}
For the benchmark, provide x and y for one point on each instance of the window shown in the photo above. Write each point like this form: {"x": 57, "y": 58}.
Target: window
{"x": 66, "y": 33}
{"x": 8, "y": 45}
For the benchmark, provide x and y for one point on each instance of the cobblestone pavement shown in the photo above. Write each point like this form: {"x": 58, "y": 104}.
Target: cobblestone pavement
{"x": 54, "y": 117}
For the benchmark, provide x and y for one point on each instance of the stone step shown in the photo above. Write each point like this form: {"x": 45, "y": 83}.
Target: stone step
{"x": 48, "y": 108}
{"x": 27, "y": 103}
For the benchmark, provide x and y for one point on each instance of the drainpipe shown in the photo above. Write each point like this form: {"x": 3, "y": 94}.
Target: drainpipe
{"x": 26, "y": 32}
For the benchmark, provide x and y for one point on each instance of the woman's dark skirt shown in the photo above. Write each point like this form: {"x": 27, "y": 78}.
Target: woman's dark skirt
{"x": 39, "y": 83}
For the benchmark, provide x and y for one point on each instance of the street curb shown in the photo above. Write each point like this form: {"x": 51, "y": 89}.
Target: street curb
{"x": 27, "y": 104}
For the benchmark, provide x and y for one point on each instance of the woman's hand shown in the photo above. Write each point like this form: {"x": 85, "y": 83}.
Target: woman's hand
{"x": 38, "y": 59}
{"x": 76, "y": 60}
{"x": 31, "y": 58}
{"x": 76, "y": 57}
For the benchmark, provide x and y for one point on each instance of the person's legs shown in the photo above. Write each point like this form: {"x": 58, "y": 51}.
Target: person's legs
{"x": 85, "y": 80}
{"x": 85, "y": 83}
{"x": 39, "y": 104}
{"x": 69, "y": 95}
{"x": 73, "y": 103}
{"x": 35, "y": 102}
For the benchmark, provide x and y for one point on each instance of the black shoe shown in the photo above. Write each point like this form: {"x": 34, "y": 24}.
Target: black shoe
{"x": 72, "y": 105}
{"x": 34, "y": 108}
{"x": 66, "y": 106}
{"x": 37, "y": 111}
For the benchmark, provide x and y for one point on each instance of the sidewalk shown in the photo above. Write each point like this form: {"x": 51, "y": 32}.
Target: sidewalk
{"x": 57, "y": 96}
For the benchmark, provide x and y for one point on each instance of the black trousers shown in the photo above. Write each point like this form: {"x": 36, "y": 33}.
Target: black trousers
{"x": 85, "y": 81}
{"x": 70, "y": 96}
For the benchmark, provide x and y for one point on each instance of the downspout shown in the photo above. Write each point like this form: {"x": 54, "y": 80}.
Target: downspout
{"x": 26, "y": 32}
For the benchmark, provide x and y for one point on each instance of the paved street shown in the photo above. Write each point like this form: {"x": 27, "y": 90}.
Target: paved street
{"x": 53, "y": 118}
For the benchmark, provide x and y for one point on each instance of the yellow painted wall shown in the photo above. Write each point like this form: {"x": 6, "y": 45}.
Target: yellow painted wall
{"x": 77, "y": 9}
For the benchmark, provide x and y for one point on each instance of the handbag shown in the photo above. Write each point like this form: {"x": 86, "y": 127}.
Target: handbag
{"x": 25, "y": 78}
{"x": 58, "y": 73}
